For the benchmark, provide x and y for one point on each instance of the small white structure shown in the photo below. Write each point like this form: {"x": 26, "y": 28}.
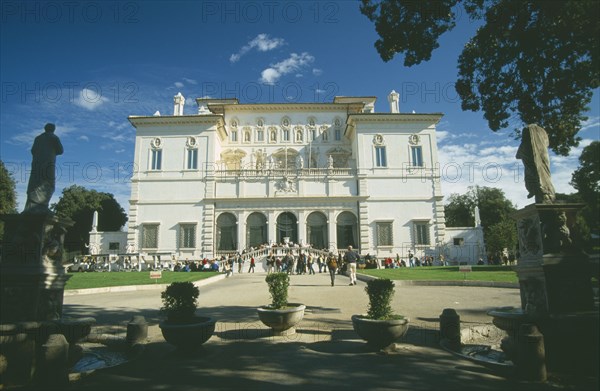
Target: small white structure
{"x": 106, "y": 242}
{"x": 465, "y": 245}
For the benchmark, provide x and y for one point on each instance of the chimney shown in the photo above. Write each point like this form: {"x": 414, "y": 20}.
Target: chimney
{"x": 179, "y": 101}
{"x": 393, "y": 98}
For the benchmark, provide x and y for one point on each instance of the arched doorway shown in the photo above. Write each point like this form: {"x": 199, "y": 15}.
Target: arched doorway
{"x": 316, "y": 230}
{"x": 287, "y": 227}
{"x": 347, "y": 230}
{"x": 256, "y": 230}
{"x": 226, "y": 232}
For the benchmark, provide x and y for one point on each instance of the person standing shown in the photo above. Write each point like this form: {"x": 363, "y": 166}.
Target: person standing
{"x": 240, "y": 262}
{"x": 252, "y": 264}
{"x": 351, "y": 257}
{"x": 332, "y": 265}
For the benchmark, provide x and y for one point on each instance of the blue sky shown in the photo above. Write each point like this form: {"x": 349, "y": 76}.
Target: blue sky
{"x": 86, "y": 66}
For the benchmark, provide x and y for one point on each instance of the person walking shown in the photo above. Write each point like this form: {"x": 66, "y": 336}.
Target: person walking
{"x": 332, "y": 265}
{"x": 351, "y": 257}
{"x": 310, "y": 262}
{"x": 252, "y": 265}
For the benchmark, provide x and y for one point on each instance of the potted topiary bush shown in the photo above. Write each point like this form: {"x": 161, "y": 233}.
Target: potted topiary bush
{"x": 182, "y": 327}
{"x": 380, "y": 327}
{"x": 280, "y": 315}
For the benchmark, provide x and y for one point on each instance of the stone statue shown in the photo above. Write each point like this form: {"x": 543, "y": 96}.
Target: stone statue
{"x": 43, "y": 170}
{"x": 330, "y": 162}
{"x": 299, "y": 162}
{"x": 533, "y": 151}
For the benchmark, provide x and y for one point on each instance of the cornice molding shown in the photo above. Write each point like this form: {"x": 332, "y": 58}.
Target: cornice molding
{"x": 285, "y": 107}
{"x": 209, "y": 119}
{"x": 395, "y": 117}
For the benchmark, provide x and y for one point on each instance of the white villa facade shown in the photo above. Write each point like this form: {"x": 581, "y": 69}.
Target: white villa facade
{"x": 324, "y": 175}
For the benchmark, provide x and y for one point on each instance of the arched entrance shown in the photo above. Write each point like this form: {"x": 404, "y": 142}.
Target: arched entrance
{"x": 256, "y": 230}
{"x": 226, "y": 232}
{"x": 316, "y": 230}
{"x": 347, "y": 230}
{"x": 287, "y": 227}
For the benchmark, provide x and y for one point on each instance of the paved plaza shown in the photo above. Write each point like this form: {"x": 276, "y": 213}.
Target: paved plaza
{"x": 325, "y": 353}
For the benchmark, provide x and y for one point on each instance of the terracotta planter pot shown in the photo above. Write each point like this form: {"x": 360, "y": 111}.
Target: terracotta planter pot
{"x": 189, "y": 336}
{"x": 379, "y": 333}
{"x": 282, "y": 321}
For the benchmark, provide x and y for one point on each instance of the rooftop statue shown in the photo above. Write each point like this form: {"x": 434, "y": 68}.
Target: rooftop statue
{"x": 533, "y": 151}
{"x": 43, "y": 170}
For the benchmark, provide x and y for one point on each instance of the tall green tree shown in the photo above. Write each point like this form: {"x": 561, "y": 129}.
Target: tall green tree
{"x": 501, "y": 235}
{"x": 494, "y": 209}
{"x": 78, "y": 204}
{"x": 537, "y": 61}
{"x": 8, "y": 194}
{"x": 586, "y": 180}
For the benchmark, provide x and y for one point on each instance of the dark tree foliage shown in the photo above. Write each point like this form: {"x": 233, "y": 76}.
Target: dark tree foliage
{"x": 8, "y": 194}
{"x": 494, "y": 209}
{"x": 586, "y": 180}
{"x": 529, "y": 62}
{"x": 78, "y": 204}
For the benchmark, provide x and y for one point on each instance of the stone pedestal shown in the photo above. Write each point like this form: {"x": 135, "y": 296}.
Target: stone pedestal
{"x": 32, "y": 281}
{"x": 556, "y": 292}
{"x": 554, "y": 275}
{"x": 32, "y": 278}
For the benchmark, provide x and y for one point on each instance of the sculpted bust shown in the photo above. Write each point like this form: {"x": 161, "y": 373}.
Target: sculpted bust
{"x": 42, "y": 181}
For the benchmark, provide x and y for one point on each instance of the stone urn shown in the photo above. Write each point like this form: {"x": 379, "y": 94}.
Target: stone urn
{"x": 283, "y": 321}
{"x": 188, "y": 336}
{"x": 379, "y": 333}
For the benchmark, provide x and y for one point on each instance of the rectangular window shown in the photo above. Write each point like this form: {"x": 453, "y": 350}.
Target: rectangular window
{"x": 338, "y": 135}
{"x": 380, "y": 158}
{"x": 113, "y": 246}
{"x": 459, "y": 241}
{"x": 192, "y": 159}
{"x": 260, "y": 135}
{"x": 150, "y": 236}
{"x": 417, "y": 156}
{"x": 156, "y": 159}
{"x": 234, "y": 136}
{"x": 421, "y": 233}
{"x": 286, "y": 135}
{"x": 384, "y": 234}
{"x": 188, "y": 236}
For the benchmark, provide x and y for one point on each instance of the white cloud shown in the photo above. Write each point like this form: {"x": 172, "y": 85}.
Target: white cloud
{"x": 90, "y": 99}
{"x": 491, "y": 162}
{"x": 83, "y": 138}
{"x": 27, "y": 138}
{"x": 190, "y": 81}
{"x": 262, "y": 43}
{"x": 178, "y": 84}
{"x": 317, "y": 72}
{"x": 591, "y": 122}
{"x": 291, "y": 64}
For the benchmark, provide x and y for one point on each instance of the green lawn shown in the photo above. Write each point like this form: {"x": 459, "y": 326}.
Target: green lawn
{"x": 104, "y": 279}
{"x": 446, "y": 273}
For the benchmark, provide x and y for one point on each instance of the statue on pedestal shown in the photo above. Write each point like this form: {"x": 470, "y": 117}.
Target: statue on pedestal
{"x": 43, "y": 170}
{"x": 533, "y": 151}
